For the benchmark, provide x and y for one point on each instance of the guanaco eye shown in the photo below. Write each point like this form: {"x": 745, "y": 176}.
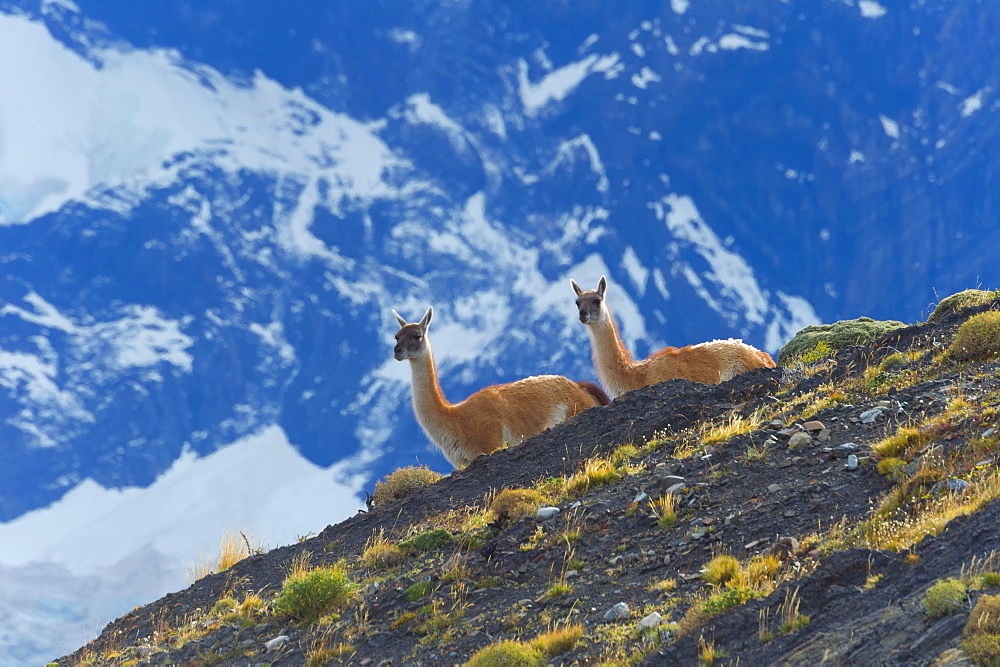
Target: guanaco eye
{"x": 418, "y": 336}
{"x": 597, "y": 301}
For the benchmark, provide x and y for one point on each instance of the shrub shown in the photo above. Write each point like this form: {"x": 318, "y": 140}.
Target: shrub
{"x": 965, "y": 299}
{"x": 402, "y": 483}
{"x": 944, "y": 597}
{"x": 836, "y": 336}
{"x": 513, "y": 504}
{"x": 978, "y": 338}
{"x": 507, "y": 654}
{"x": 728, "y": 598}
{"x": 982, "y": 631}
{"x": 430, "y": 540}
{"x": 307, "y": 595}
{"x": 721, "y": 570}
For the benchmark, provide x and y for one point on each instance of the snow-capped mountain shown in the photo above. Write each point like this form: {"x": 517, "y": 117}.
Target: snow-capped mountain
{"x": 207, "y": 210}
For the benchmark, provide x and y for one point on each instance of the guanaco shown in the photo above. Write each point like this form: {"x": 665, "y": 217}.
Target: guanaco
{"x": 711, "y": 362}
{"x": 499, "y": 415}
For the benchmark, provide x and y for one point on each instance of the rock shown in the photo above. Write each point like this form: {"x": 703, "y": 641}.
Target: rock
{"x": 773, "y": 488}
{"x": 277, "y": 642}
{"x": 988, "y": 432}
{"x": 813, "y": 426}
{"x": 953, "y": 485}
{"x": 868, "y": 416}
{"x": 784, "y": 548}
{"x": 844, "y": 450}
{"x": 641, "y": 497}
{"x": 775, "y": 423}
{"x": 799, "y": 439}
{"x": 676, "y": 489}
{"x": 546, "y": 513}
{"x": 852, "y": 462}
{"x": 823, "y": 435}
{"x": 651, "y": 620}
{"x": 618, "y": 612}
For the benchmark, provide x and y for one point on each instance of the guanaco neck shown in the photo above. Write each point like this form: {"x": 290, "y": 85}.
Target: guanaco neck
{"x": 613, "y": 362}
{"x": 428, "y": 400}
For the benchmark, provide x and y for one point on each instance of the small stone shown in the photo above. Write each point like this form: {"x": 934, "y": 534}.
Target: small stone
{"x": 698, "y": 533}
{"x": 618, "y": 612}
{"x": 576, "y": 505}
{"x": 885, "y": 404}
{"x": 708, "y": 521}
{"x": 823, "y": 435}
{"x": 546, "y": 513}
{"x": 988, "y": 432}
{"x": 729, "y": 519}
{"x": 852, "y": 462}
{"x": 776, "y": 423}
{"x": 814, "y": 425}
{"x": 572, "y": 573}
{"x": 650, "y": 620}
{"x": 641, "y": 497}
{"x": 773, "y": 488}
{"x": 868, "y": 416}
{"x": 799, "y": 439}
{"x": 676, "y": 489}
{"x": 277, "y": 642}
{"x": 790, "y": 513}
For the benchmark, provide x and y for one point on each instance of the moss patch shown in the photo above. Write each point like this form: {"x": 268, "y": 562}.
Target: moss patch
{"x": 836, "y": 336}
{"x": 969, "y": 298}
{"x": 978, "y": 339}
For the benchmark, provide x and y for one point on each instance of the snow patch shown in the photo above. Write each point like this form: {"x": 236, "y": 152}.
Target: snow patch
{"x": 558, "y": 84}
{"x": 70, "y": 126}
{"x": 871, "y": 9}
{"x": 973, "y": 103}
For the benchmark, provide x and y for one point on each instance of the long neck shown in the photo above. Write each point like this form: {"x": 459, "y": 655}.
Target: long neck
{"x": 613, "y": 362}
{"x": 428, "y": 401}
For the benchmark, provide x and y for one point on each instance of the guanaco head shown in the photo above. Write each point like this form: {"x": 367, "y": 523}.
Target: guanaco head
{"x": 411, "y": 340}
{"x": 590, "y": 302}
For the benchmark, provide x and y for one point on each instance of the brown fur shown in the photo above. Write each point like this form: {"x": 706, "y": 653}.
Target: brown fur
{"x": 710, "y": 362}
{"x": 494, "y": 416}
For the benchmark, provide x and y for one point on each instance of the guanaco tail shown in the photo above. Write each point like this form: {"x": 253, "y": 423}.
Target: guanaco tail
{"x": 493, "y": 417}
{"x": 711, "y": 362}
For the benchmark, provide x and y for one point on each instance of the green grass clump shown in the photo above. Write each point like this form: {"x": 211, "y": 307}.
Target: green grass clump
{"x": 429, "y": 540}
{"x": 965, "y": 299}
{"x": 418, "y": 591}
{"x": 978, "y": 338}
{"x": 727, "y": 598}
{"x": 596, "y": 473}
{"x": 308, "y": 594}
{"x": 836, "y": 336}
{"x": 981, "y": 640}
{"x": 945, "y": 597}
{"x": 507, "y": 654}
{"x": 402, "y": 483}
{"x": 513, "y": 504}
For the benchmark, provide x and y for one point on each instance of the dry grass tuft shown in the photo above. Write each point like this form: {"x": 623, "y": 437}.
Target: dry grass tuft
{"x": 978, "y": 339}
{"x": 511, "y": 505}
{"x": 402, "y": 483}
{"x": 558, "y": 640}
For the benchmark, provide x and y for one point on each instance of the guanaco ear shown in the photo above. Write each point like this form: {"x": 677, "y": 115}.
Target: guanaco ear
{"x": 399, "y": 319}
{"x": 602, "y": 285}
{"x": 576, "y": 288}
{"x": 426, "y": 319}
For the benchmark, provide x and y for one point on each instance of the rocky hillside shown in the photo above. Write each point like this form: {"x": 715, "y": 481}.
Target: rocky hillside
{"x": 841, "y": 508}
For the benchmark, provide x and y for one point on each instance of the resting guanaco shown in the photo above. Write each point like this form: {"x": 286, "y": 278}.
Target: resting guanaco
{"x": 712, "y": 362}
{"x": 503, "y": 414}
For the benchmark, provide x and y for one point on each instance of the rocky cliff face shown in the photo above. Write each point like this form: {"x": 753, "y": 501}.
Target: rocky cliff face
{"x": 812, "y": 510}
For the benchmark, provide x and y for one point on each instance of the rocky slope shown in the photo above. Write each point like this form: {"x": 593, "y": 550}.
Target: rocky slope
{"x": 852, "y": 484}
